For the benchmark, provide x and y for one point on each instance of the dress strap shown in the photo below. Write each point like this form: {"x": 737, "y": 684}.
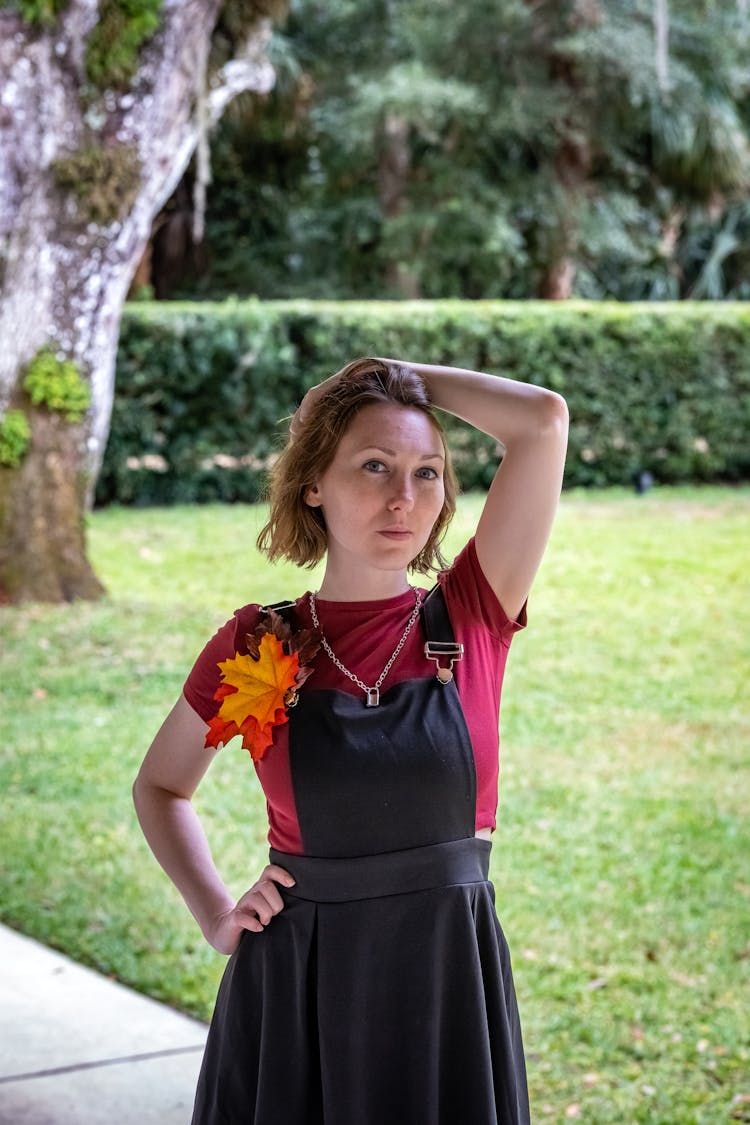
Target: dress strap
{"x": 437, "y": 623}
{"x": 284, "y": 609}
{"x": 441, "y": 645}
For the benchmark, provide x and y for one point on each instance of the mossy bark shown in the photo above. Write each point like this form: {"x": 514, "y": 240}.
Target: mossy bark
{"x": 66, "y": 260}
{"x": 42, "y": 518}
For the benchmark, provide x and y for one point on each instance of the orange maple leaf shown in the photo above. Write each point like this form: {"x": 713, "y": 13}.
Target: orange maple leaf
{"x": 219, "y": 732}
{"x": 253, "y": 695}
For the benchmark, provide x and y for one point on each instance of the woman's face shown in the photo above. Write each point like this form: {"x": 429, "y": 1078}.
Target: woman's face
{"x": 383, "y": 490}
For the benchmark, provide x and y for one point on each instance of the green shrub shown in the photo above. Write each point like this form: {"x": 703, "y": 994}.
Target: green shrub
{"x": 201, "y": 389}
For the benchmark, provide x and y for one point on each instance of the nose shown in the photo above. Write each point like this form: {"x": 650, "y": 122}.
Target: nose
{"x": 402, "y": 495}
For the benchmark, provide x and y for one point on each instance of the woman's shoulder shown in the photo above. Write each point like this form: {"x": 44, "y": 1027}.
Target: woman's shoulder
{"x": 253, "y": 610}
{"x": 228, "y": 640}
{"x": 471, "y": 599}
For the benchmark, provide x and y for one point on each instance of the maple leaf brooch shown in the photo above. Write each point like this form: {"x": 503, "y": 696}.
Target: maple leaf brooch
{"x": 259, "y": 687}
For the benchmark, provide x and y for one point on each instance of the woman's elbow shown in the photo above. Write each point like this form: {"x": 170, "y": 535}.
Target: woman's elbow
{"x": 137, "y": 791}
{"x": 145, "y": 794}
{"x": 552, "y": 415}
{"x": 556, "y": 405}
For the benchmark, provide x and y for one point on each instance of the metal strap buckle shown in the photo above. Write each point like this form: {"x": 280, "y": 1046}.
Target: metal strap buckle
{"x": 440, "y": 652}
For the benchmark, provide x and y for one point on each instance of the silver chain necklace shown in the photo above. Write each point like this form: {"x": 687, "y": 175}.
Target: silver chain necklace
{"x": 372, "y": 693}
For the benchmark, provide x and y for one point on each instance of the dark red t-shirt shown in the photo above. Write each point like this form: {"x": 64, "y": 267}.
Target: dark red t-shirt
{"x": 363, "y": 636}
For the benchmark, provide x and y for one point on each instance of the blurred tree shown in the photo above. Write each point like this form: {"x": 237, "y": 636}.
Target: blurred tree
{"x": 101, "y": 107}
{"x": 674, "y": 86}
{"x": 524, "y": 148}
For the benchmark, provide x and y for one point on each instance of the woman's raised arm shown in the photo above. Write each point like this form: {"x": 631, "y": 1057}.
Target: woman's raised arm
{"x": 531, "y": 423}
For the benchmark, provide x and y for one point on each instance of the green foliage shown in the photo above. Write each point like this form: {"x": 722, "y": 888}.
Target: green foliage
{"x": 57, "y": 384}
{"x": 42, "y": 12}
{"x": 113, "y": 46}
{"x": 533, "y": 136}
{"x": 201, "y": 390}
{"x": 14, "y": 437}
{"x": 104, "y": 178}
{"x": 198, "y": 402}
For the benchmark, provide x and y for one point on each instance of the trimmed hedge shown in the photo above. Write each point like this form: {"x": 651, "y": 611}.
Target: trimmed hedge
{"x": 202, "y": 388}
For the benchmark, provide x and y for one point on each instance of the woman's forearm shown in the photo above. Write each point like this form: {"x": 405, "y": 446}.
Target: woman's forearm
{"x": 176, "y": 837}
{"x": 504, "y": 408}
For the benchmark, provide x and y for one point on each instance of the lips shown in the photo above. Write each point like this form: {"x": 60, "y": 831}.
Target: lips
{"x": 398, "y": 534}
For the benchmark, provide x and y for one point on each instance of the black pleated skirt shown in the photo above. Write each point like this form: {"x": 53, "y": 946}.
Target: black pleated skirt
{"x": 381, "y": 995}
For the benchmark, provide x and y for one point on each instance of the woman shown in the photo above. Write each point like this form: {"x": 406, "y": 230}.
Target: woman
{"x": 369, "y": 981}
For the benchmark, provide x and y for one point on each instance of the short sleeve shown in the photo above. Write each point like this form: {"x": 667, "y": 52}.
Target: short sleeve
{"x": 205, "y": 676}
{"x": 466, "y": 587}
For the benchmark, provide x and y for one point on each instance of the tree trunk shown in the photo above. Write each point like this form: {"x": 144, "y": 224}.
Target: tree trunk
{"x": 573, "y": 158}
{"x": 572, "y": 166}
{"x": 42, "y": 540}
{"x": 67, "y": 265}
{"x": 394, "y": 166}
{"x": 661, "y": 43}
{"x": 556, "y": 283}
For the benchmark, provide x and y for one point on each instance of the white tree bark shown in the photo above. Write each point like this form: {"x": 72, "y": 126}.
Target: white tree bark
{"x": 661, "y": 45}
{"x": 63, "y": 278}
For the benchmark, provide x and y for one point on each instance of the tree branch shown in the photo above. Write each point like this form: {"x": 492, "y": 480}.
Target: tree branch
{"x": 250, "y": 70}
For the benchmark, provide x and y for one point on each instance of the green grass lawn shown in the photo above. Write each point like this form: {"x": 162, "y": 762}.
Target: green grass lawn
{"x": 622, "y": 859}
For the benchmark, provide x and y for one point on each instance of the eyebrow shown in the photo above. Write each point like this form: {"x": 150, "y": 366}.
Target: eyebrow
{"x": 393, "y": 453}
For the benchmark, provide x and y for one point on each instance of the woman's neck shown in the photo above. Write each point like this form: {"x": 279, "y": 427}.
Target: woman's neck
{"x": 365, "y": 586}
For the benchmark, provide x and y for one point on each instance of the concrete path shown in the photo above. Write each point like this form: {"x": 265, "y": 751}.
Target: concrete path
{"x": 78, "y": 1049}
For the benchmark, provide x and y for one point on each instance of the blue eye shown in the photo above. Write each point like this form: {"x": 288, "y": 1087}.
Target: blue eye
{"x": 427, "y": 473}
{"x": 374, "y": 466}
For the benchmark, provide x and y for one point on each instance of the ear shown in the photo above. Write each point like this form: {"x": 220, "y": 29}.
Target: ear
{"x": 313, "y": 499}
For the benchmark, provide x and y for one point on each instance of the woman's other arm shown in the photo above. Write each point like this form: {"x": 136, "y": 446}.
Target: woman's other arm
{"x": 531, "y": 423}
{"x": 170, "y": 774}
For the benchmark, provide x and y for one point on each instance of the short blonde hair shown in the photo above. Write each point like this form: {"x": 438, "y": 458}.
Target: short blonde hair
{"x": 296, "y": 531}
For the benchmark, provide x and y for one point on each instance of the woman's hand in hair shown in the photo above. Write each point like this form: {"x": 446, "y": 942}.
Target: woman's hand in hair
{"x": 308, "y": 402}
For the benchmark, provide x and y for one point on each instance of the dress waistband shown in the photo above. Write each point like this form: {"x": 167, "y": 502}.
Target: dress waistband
{"x": 392, "y": 873}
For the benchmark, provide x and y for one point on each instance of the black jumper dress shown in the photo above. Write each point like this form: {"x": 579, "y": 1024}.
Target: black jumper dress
{"x": 382, "y": 993}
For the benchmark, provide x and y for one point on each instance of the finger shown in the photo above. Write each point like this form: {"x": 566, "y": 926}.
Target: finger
{"x": 270, "y": 898}
{"x": 253, "y": 924}
{"x": 264, "y": 903}
{"x": 309, "y": 400}
{"x": 278, "y": 874}
{"x": 253, "y": 914}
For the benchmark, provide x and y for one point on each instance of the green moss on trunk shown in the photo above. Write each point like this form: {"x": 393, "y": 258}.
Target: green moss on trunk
{"x": 41, "y": 12}
{"x": 104, "y": 179}
{"x": 57, "y": 384}
{"x": 112, "y": 49}
{"x": 14, "y": 437}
